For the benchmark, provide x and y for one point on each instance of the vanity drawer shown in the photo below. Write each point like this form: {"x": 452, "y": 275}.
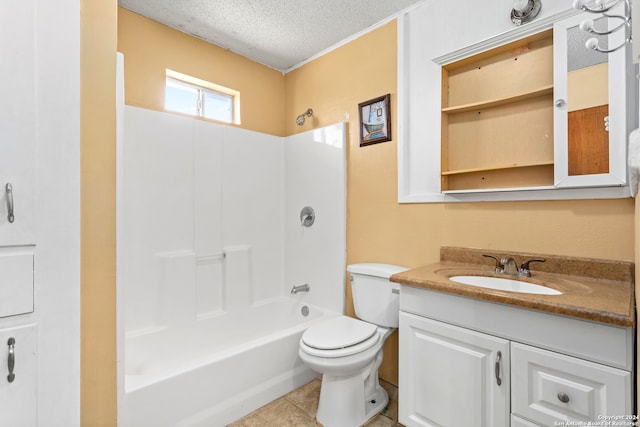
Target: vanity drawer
{"x": 548, "y": 387}
{"x": 16, "y": 283}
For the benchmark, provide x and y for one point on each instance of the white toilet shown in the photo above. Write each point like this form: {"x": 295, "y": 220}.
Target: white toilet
{"x": 348, "y": 352}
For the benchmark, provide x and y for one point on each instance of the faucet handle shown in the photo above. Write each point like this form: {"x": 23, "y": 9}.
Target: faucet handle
{"x": 524, "y": 269}
{"x": 499, "y": 266}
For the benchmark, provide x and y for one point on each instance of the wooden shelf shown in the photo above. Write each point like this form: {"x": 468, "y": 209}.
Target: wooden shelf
{"x": 546, "y": 90}
{"x": 497, "y": 118}
{"x": 493, "y": 168}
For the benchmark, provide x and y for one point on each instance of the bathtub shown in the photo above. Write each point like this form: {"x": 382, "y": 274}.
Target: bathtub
{"x": 217, "y": 371}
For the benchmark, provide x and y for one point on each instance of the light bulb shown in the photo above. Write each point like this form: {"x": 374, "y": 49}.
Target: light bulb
{"x": 592, "y": 43}
{"x": 586, "y": 25}
{"x": 578, "y": 4}
{"x": 520, "y": 5}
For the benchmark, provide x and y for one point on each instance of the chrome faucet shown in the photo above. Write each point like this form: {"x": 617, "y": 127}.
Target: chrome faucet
{"x": 507, "y": 265}
{"x": 300, "y": 288}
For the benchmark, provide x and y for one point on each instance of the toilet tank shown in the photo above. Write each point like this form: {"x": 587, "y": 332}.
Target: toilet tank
{"x": 373, "y": 296}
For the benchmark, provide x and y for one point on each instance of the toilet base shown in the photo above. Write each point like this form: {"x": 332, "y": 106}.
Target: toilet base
{"x": 377, "y": 404}
{"x": 350, "y": 401}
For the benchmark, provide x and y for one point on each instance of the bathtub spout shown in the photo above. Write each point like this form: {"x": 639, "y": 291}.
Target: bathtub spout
{"x": 300, "y": 288}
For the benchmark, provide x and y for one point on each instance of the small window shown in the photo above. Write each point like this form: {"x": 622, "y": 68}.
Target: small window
{"x": 188, "y": 95}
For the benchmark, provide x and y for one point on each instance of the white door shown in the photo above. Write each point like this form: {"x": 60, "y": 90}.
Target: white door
{"x": 591, "y": 105}
{"x": 18, "y": 376}
{"x": 17, "y": 121}
{"x": 18, "y": 386}
{"x": 451, "y": 376}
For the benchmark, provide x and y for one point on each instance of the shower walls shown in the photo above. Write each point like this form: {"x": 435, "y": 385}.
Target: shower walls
{"x": 315, "y": 175}
{"x": 210, "y": 223}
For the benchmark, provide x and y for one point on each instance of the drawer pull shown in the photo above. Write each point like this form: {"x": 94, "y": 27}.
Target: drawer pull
{"x": 11, "y": 361}
{"x": 497, "y": 368}
{"x": 8, "y": 188}
{"x": 563, "y": 397}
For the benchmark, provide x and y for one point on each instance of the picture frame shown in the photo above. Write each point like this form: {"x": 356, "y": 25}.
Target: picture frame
{"x": 375, "y": 120}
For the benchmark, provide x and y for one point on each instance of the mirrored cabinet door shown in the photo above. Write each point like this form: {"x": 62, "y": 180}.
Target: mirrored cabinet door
{"x": 591, "y": 95}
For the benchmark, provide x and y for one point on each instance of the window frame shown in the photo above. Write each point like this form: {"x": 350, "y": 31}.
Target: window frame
{"x": 203, "y": 88}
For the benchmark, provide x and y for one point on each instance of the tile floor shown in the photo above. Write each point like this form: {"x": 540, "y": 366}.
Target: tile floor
{"x": 298, "y": 409}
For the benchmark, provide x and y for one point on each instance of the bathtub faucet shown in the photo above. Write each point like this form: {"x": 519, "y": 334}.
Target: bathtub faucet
{"x": 300, "y": 288}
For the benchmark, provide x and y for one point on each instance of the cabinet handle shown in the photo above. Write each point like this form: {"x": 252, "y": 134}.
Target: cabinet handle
{"x": 11, "y": 361}
{"x": 8, "y": 188}
{"x": 560, "y": 103}
{"x": 497, "y": 369}
{"x": 563, "y": 397}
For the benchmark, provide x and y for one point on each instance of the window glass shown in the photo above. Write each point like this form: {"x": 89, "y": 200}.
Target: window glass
{"x": 181, "y": 97}
{"x": 218, "y": 106}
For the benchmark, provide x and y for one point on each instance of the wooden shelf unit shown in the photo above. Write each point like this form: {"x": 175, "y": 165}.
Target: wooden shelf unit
{"x": 497, "y": 117}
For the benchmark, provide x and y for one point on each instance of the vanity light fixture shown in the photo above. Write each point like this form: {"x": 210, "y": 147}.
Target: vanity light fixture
{"x": 602, "y": 7}
{"x": 525, "y": 10}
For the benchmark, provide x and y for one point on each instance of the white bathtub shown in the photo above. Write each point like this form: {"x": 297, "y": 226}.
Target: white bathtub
{"x": 218, "y": 371}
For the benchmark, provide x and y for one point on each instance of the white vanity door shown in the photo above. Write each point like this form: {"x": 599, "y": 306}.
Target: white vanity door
{"x": 450, "y": 376}
{"x": 17, "y": 121}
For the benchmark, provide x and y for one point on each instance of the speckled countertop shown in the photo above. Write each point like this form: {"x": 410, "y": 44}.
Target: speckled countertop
{"x": 592, "y": 289}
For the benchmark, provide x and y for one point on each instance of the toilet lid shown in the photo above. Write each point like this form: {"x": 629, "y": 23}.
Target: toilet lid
{"x": 339, "y": 332}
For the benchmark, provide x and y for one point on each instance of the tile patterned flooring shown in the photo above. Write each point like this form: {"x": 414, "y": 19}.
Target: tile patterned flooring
{"x": 298, "y": 409}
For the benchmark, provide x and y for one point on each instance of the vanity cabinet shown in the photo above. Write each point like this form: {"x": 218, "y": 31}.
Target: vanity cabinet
{"x": 18, "y": 133}
{"x": 472, "y": 362}
{"x": 17, "y": 145}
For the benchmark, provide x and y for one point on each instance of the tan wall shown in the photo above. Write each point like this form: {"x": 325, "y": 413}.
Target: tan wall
{"x": 587, "y": 87}
{"x": 150, "y": 48}
{"x": 98, "y": 405}
{"x": 381, "y": 230}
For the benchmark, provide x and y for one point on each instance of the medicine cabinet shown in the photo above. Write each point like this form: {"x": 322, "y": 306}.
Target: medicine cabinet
{"x": 530, "y": 114}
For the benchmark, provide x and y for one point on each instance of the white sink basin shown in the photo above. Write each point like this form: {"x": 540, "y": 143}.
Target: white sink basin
{"x": 504, "y": 285}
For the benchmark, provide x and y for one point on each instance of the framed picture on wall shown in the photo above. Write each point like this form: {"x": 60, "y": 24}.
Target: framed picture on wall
{"x": 375, "y": 120}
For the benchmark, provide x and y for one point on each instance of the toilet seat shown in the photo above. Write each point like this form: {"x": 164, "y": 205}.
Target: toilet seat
{"x": 338, "y": 337}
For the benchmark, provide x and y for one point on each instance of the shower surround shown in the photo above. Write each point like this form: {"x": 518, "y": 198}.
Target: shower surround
{"x": 209, "y": 246}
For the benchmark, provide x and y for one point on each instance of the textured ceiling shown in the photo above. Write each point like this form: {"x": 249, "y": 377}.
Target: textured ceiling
{"x": 277, "y": 33}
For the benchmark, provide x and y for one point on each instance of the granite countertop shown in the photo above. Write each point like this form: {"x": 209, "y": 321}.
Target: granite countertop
{"x": 592, "y": 289}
